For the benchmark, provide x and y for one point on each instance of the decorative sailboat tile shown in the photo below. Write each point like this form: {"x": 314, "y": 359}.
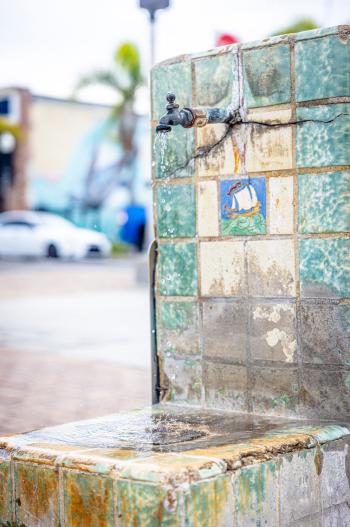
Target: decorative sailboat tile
{"x": 243, "y": 207}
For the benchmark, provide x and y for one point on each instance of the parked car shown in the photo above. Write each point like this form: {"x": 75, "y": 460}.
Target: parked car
{"x": 37, "y": 234}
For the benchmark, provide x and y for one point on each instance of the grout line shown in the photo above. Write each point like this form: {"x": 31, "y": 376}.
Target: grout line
{"x": 61, "y": 496}
{"x": 198, "y": 254}
{"x": 13, "y": 490}
{"x": 297, "y": 323}
{"x": 248, "y": 358}
{"x": 258, "y": 237}
{"x": 266, "y": 174}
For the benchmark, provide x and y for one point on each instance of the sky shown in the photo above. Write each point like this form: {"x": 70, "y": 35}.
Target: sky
{"x": 46, "y": 45}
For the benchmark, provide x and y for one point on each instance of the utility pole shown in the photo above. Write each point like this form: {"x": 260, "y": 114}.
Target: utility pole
{"x": 152, "y": 6}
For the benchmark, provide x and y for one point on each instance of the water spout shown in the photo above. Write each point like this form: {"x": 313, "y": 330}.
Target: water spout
{"x": 193, "y": 117}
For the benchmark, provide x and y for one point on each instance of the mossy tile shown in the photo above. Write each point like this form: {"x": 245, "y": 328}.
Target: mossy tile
{"x": 217, "y": 81}
{"x": 5, "y": 492}
{"x": 325, "y": 267}
{"x": 325, "y": 333}
{"x": 173, "y": 153}
{"x": 177, "y": 269}
{"x": 176, "y": 211}
{"x": 275, "y": 391}
{"x": 267, "y": 76}
{"x": 322, "y": 68}
{"x": 225, "y": 386}
{"x": 325, "y": 138}
{"x": 176, "y": 78}
{"x": 177, "y": 328}
{"x": 88, "y": 500}
{"x": 327, "y": 393}
{"x": 210, "y": 503}
{"x": 147, "y": 505}
{"x": 37, "y": 500}
{"x": 181, "y": 380}
{"x": 324, "y": 204}
{"x": 243, "y": 207}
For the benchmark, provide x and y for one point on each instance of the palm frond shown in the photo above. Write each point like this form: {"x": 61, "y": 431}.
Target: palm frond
{"x": 105, "y": 78}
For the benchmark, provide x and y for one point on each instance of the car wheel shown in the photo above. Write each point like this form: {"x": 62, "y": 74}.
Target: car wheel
{"x": 52, "y": 251}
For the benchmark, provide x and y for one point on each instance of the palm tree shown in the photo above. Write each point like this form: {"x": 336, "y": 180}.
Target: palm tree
{"x": 9, "y": 128}
{"x": 124, "y": 78}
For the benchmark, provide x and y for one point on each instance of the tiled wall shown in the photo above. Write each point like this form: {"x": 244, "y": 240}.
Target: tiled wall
{"x": 253, "y": 310}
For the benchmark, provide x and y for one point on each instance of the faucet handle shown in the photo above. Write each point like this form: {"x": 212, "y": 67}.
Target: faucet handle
{"x": 171, "y": 101}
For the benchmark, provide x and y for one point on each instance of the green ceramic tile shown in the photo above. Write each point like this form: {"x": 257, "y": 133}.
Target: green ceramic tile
{"x": 210, "y": 503}
{"x": 177, "y": 315}
{"x": 37, "y": 499}
{"x": 177, "y": 328}
{"x": 177, "y": 269}
{"x": 267, "y": 42}
{"x": 314, "y": 33}
{"x": 147, "y": 505}
{"x": 322, "y": 68}
{"x": 176, "y": 211}
{"x": 176, "y": 78}
{"x": 217, "y": 82}
{"x": 182, "y": 379}
{"x": 5, "y": 492}
{"x": 256, "y": 488}
{"x": 88, "y": 500}
{"x": 323, "y": 143}
{"x": 267, "y": 75}
{"x": 325, "y": 267}
{"x": 173, "y": 153}
{"x": 324, "y": 204}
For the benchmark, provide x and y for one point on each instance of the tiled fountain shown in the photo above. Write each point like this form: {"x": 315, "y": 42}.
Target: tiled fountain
{"x": 252, "y": 310}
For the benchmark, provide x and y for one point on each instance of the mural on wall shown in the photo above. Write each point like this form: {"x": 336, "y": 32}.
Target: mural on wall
{"x": 243, "y": 207}
{"x": 97, "y": 182}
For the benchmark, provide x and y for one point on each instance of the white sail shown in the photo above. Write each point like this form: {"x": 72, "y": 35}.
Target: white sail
{"x": 245, "y": 198}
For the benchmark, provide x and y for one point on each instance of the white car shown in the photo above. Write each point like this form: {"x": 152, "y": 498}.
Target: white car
{"x": 37, "y": 234}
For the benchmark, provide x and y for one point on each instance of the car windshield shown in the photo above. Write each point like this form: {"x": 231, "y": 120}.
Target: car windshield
{"x": 55, "y": 221}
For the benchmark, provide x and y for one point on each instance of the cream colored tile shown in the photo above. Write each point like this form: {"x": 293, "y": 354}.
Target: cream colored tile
{"x": 223, "y": 159}
{"x": 222, "y": 268}
{"x": 271, "y": 268}
{"x": 208, "y": 215}
{"x": 281, "y": 205}
{"x": 269, "y": 148}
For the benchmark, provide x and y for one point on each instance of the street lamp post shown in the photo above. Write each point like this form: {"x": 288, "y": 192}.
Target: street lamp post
{"x": 152, "y": 6}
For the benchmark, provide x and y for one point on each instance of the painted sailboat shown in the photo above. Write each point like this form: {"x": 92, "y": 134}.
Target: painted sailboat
{"x": 244, "y": 200}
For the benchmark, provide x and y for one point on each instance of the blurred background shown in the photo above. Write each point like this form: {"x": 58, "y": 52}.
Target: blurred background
{"x": 75, "y": 188}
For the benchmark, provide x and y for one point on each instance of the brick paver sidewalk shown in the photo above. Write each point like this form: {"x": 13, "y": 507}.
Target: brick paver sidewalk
{"x": 42, "y": 389}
